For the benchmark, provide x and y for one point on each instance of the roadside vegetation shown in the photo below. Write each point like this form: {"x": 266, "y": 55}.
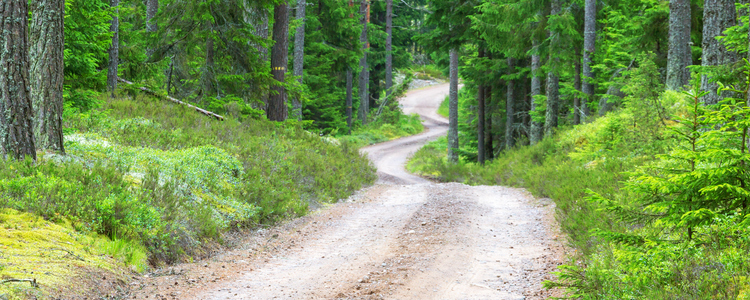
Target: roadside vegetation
{"x": 652, "y": 196}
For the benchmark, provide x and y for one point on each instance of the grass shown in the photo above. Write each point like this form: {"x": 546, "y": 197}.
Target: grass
{"x": 147, "y": 183}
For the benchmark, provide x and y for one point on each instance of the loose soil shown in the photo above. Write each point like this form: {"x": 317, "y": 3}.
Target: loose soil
{"x": 404, "y": 238}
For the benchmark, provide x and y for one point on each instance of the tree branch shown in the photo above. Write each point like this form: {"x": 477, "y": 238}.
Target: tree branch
{"x": 198, "y": 109}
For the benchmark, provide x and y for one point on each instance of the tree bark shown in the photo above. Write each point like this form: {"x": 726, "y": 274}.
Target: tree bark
{"x": 589, "y": 48}
{"x": 277, "y": 110}
{"x": 680, "y": 54}
{"x": 46, "y": 71}
{"x": 577, "y": 109}
{"x": 489, "y": 150}
{"x": 349, "y": 80}
{"x": 553, "y": 80}
{"x": 480, "y": 118}
{"x": 16, "y": 114}
{"x": 453, "y": 108}
{"x": 152, "y": 7}
{"x": 388, "y": 48}
{"x": 363, "y": 74}
{"x": 718, "y": 15}
{"x": 114, "y": 49}
{"x": 208, "y": 76}
{"x": 535, "y": 134}
{"x": 299, "y": 56}
{"x": 510, "y": 100}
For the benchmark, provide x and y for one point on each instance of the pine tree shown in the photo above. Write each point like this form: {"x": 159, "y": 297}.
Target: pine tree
{"x": 299, "y": 56}
{"x": 114, "y": 49}
{"x": 718, "y": 15}
{"x": 535, "y": 134}
{"x": 46, "y": 70}
{"x": 480, "y": 115}
{"x": 388, "y": 49}
{"x": 510, "y": 102}
{"x": 364, "y": 96}
{"x": 553, "y": 78}
{"x": 680, "y": 53}
{"x": 589, "y": 47}
{"x": 453, "y": 108}
{"x": 16, "y": 114}
{"x": 277, "y": 109}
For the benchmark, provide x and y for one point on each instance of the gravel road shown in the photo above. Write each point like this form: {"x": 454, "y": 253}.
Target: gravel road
{"x": 404, "y": 238}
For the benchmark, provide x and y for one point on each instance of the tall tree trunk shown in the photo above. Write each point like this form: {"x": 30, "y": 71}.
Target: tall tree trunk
{"x": 388, "y": 48}
{"x": 589, "y": 48}
{"x": 152, "y": 7}
{"x": 46, "y": 54}
{"x": 114, "y": 49}
{"x": 363, "y": 74}
{"x": 680, "y": 54}
{"x": 553, "y": 80}
{"x": 349, "y": 80}
{"x": 480, "y": 117}
{"x": 16, "y": 114}
{"x": 718, "y": 15}
{"x": 577, "y": 109}
{"x": 299, "y": 56}
{"x": 489, "y": 149}
{"x": 277, "y": 110}
{"x": 510, "y": 100}
{"x": 535, "y": 134}
{"x": 208, "y": 77}
{"x": 453, "y": 108}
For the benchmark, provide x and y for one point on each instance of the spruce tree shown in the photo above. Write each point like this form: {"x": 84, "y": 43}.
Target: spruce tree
{"x": 277, "y": 109}
{"x": 114, "y": 49}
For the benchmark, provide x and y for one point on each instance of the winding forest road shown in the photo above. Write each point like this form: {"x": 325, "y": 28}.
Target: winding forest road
{"x": 404, "y": 238}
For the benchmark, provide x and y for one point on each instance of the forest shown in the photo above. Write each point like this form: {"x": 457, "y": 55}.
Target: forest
{"x": 146, "y": 131}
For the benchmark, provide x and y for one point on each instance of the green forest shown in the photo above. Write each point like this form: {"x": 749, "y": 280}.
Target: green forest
{"x": 142, "y": 134}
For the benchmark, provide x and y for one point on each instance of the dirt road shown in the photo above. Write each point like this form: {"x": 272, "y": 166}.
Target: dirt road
{"x": 404, "y": 238}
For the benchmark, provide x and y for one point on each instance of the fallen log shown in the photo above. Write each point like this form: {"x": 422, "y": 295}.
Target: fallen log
{"x": 198, "y": 109}
{"x": 31, "y": 281}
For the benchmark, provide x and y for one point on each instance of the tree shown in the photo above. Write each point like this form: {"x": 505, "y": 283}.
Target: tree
{"x": 680, "y": 54}
{"x": 509, "y": 105}
{"x": 453, "y": 108}
{"x": 535, "y": 133}
{"x": 299, "y": 56}
{"x": 718, "y": 15}
{"x": 388, "y": 48}
{"x": 364, "y": 78}
{"x": 589, "y": 47}
{"x": 480, "y": 115}
{"x": 277, "y": 110}
{"x": 553, "y": 79}
{"x": 16, "y": 115}
{"x": 114, "y": 49}
{"x": 152, "y": 7}
{"x": 46, "y": 70}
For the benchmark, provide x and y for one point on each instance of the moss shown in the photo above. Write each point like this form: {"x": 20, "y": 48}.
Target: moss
{"x": 53, "y": 254}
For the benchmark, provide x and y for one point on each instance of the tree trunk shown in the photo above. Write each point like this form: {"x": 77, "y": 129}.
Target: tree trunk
{"x": 277, "y": 110}
{"x": 208, "y": 78}
{"x": 589, "y": 48}
{"x": 16, "y": 114}
{"x": 152, "y": 7}
{"x": 363, "y": 74}
{"x": 553, "y": 80}
{"x": 453, "y": 108}
{"x": 489, "y": 150}
{"x": 299, "y": 56}
{"x": 114, "y": 49}
{"x": 388, "y": 48}
{"x": 349, "y": 80}
{"x": 509, "y": 106}
{"x": 577, "y": 109}
{"x": 680, "y": 54}
{"x": 46, "y": 54}
{"x": 535, "y": 134}
{"x": 718, "y": 15}
{"x": 480, "y": 117}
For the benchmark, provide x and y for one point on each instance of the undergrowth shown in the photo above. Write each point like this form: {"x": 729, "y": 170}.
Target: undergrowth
{"x": 174, "y": 181}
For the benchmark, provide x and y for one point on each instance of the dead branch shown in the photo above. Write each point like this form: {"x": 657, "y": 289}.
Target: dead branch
{"x": 69, "y": 252}
{"x": 198, "y": 109}
{"x": 31, "y": 281}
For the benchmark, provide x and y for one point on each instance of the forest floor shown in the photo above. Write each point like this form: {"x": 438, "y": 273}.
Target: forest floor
{"x": 404, "y": 238}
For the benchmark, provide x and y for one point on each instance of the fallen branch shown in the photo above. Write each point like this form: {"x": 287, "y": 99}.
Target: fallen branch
{"x": 198, "y": 109}
{"x": 69, "y": 252}
{"x": 32, "y": 281}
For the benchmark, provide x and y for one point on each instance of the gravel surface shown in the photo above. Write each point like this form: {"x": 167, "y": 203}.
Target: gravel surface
{"x": 404, "y": 238}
